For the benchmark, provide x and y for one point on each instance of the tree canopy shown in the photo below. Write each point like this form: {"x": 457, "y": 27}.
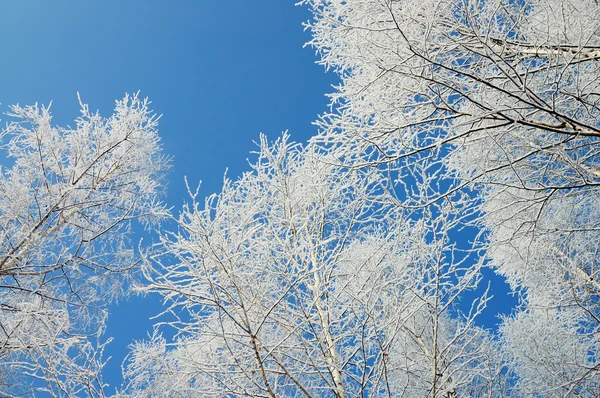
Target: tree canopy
{"x": 66, "y": 204}
{"x": 461, "y": 141}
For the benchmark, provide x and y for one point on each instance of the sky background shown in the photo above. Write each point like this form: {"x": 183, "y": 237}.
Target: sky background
{"x": 220, "y": 72}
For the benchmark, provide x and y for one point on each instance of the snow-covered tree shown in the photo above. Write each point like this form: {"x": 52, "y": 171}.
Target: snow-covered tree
{"x": 67, "y": 198}
{"x": 306, "y": 279}
{"x": 501, "y": 97}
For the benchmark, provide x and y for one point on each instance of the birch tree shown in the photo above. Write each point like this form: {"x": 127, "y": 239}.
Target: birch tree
{"x": 501, "y": 97}
{"x": 306, "y": 279}
{"x": 67, "y": 200}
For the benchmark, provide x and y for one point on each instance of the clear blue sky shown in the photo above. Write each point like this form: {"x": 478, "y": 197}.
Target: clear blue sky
{"x": 220, "y": 72}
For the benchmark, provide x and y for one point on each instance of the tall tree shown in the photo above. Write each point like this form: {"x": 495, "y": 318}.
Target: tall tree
{"x": 502, "y": 97}
{"x": 67, "y": 199}
{"x": 305, "y": 279}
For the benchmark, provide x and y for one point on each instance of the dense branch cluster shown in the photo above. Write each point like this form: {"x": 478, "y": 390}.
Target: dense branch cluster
{"x": 502, "y": 98}
{"x": 296, "y": 282}
{"x": 66, "y": 203}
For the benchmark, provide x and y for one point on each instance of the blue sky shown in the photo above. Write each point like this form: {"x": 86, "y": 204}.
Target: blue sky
{"x": 220, "y": 72}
